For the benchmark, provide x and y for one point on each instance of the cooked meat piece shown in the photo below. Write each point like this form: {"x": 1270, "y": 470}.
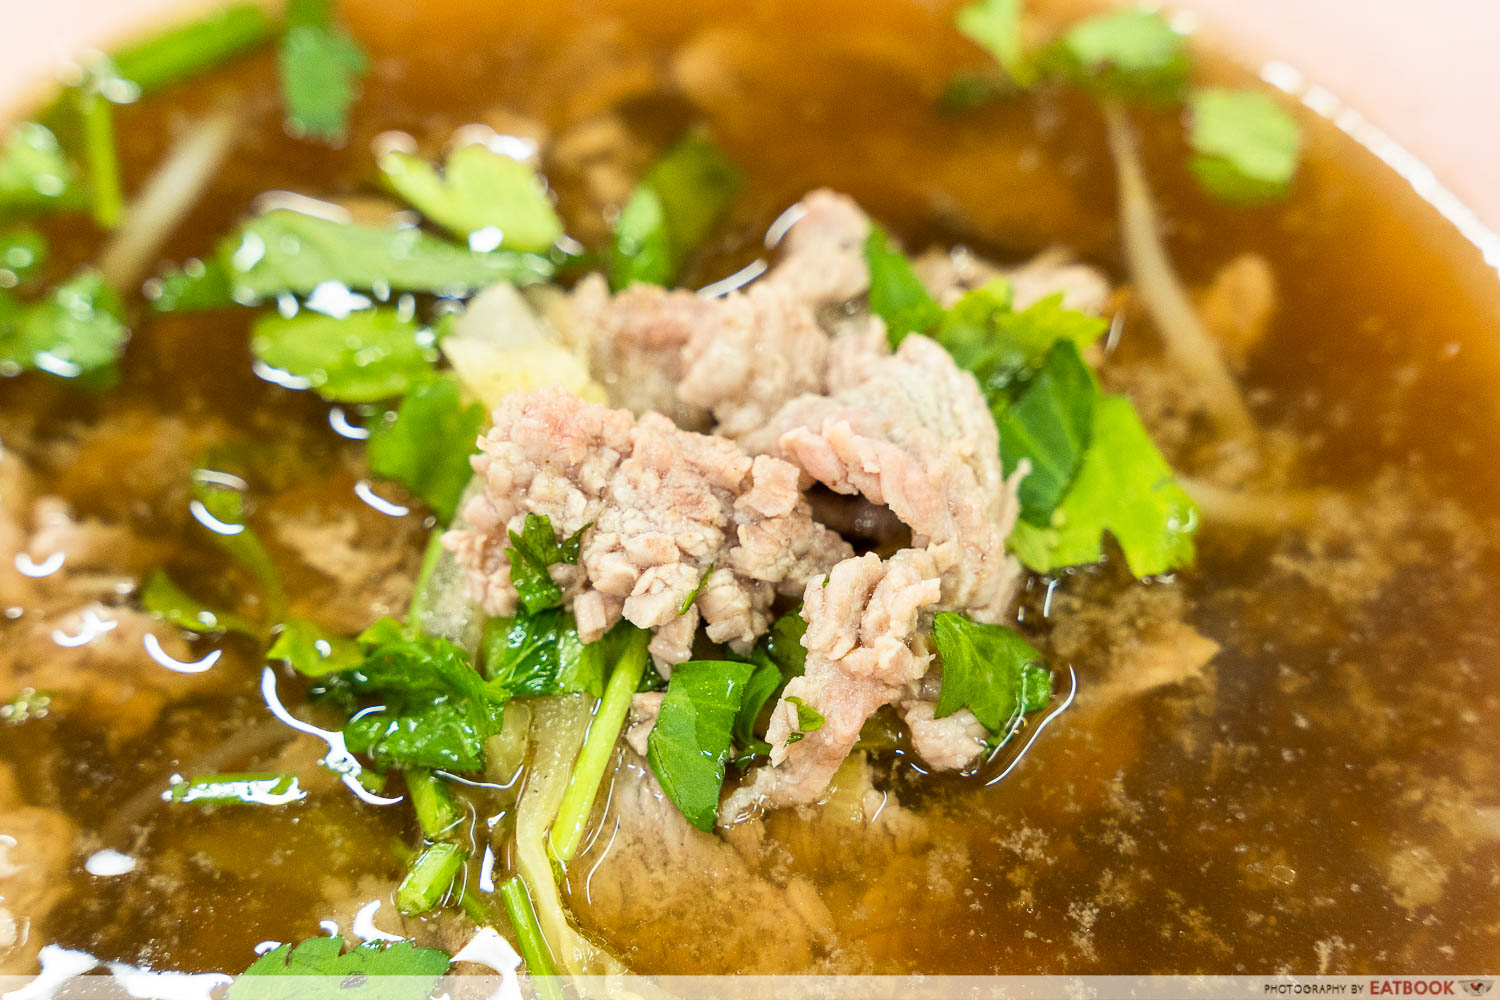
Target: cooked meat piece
{"x": 36, "y": 846}
{"x": 644, "y": 708}
{"x": 949, "y": 744}
{"x": 823, "y": 253}
{"x": 864, "y": 650}
{"x": 637, "y": 881}
{"x": 911, "y": 431}
{"x": 664, "y": 505}
{"x": 948, "y": 274}
{"x": 101, "y": 661}
{"x": 1238, "y": 304}
{"x": 737, "y": 357}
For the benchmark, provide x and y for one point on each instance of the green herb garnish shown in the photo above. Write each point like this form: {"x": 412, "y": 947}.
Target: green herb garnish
{"x": 427, "y": 442}
{"x": 990, "y": 670}
{"x": 897, "y": 295}
{"x": 1245, "y": 145}
{"x": 533, "y": 549}
{"x": 320, "y": 70}
{"x": 361, "y": 358}
{"x": 689, "y": 745}
{"x": 479, "y": 194}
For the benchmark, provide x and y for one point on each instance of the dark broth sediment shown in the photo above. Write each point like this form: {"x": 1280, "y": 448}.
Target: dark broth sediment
{"x": 1326, "y": 800}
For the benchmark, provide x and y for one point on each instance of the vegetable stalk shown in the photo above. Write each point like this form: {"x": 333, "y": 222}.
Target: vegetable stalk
{"x": 97, "y": 117}
{"x": 593, "y": 759}
{"x": 429, "y": 878}
{"x": 436, "y": 811}
{"x": 529, "y": 936}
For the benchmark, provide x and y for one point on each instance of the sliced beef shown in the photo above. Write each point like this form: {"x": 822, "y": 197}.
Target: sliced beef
{"x": 865, "y": 649}
{"x": 666, "y": 510}
{"x": 911, "y": 431}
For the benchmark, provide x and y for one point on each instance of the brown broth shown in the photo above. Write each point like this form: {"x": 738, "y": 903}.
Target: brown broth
{"x": 1314, "y": 806}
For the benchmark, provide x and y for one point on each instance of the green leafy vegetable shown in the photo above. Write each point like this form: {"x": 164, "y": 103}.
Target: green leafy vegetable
{"x": 541, "y": 654}
{"x": 532, "y": 550}
{"x": 434, "y": 710}
{"x": 478, "y": 190}
{"x": 430, "y": 877}
{"x": 671, "y": 211}
{"x": 362, "y": 358}
{"x": 1245, "y": 145}
{"x": 78, "y": 330}
{"x": 777, "y": 658}
{"x": 346, "y": 974}
{"x": 1125, "y": 487}
{"x": 990, "y": 670}
{"x": 897, "y": 295}
{"x": 438, "y": 815}
{"x": 320, "y": 70}
{"x": 970, "y": 90}
{"x": 169, "y": 602}
{"x": 809, "y": 720}
{"x": 689, "y": 745}
{"x": 313, "y": 652}
{"x": 284, "y": 252}
{"x": 426, "y": 444}
{"x": 1132, "y": 54}
{"x": 995, "y": 26}
{"x": 188, "y": 49}
{"x": 1048, "y": 425}
{"x": 97, "y": 118}
{"x": 196, "y": 285}
{"x": 35, "y": 174}
{"x": 236, "y": 789}
{"x": 23, "y": 252}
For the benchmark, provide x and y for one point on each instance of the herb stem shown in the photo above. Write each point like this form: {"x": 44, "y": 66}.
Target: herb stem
{"x": 429, "y": 877}
{"x": 583, "y": 787}
{"x": 529, "y": 936}
{"x": 97, "y": 117}
{"x": 436, "y": 811}
{"x": 419, "y": 593}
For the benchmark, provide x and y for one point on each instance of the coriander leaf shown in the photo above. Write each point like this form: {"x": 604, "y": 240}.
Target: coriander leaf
{"x": 434, "y": 710}
{"x": 541, "y": 654}
{"x": 320, "y": 68}
{"x": 347, "y": 975}
{"x": 1130, "y": 54}
{"x": 777, "y": 658}
{"x": 284, "y": 251}
{"x": 169, "y": 602}
{"x": 995, "y": 26}
{"x": 671, "y": 211}
{"x": 1048, "y": 425}
{"x": 191, "y": 48}
{"x": 999, "y": 343}
{"x": 35, "y": 174}
{"x": 196, "y": 285}
{"x": 689, "y": 744}
{"x": 809, "y": 719}
{"x": 361, "y": 358}
{"x": 313, "y": 652}
{"x": 236, "y": 789}
{"x": 985, "y": 671}
{"x": 23, "y": 252}
{"x": 426, "y": 444}
{"x": 897, "y": 295}
{"x": 532, "y": 550}
{"x": 478, "y": 190}
{"x": 1245, "y": 145}
{"x": 1125, "y": 487}
{"x": 79, "y": 329}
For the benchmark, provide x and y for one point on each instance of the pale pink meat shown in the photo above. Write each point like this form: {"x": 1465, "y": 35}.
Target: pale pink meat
{"x": 911, "y": 431}
{"x": 864, "y": 650}
{"x": 667, "y": 509}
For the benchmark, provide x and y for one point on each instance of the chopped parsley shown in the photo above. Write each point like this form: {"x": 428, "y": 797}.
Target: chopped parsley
{"x": 349, "y": 972}
{"x": 671, "y": 211}
{"x": 361, "y": 358}
{"x": 990, "y": 670}
{"x": 1048, "y": 425}
{"x": 426, "y": 443}
{"x": 35, "y": 175}
{"x": 689, "y": 745}
{"x": 487, "y": 198}
{"x": 1132, "y": 54}
{"x": 166, "y": 600}
{"x": 534, "y": 548}
{"x": 77, "y": 330}
{"x": 320, "y": 66}
{"x": 897, "y": 295}
{"x": 995, "y": 26}
{"x": 1245, "y": 145}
